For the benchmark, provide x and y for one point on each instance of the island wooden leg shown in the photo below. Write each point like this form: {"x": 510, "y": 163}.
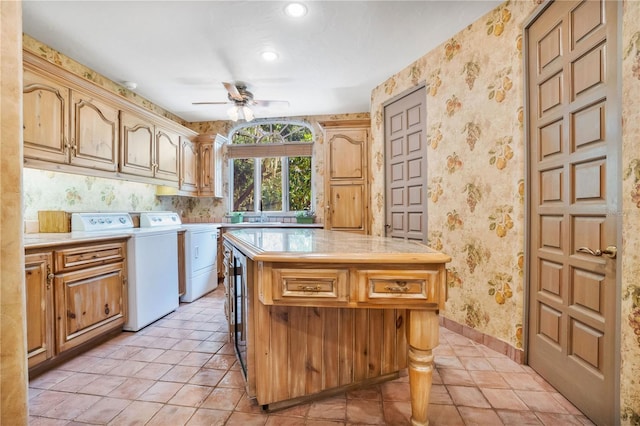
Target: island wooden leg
{"x": 422, "y": 337}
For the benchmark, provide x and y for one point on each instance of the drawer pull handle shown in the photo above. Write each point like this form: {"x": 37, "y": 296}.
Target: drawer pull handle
{"x": 309, "y": 287}
{"x": 396, "y": 289}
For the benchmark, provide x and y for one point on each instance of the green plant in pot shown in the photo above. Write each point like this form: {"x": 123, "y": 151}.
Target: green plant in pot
{"x": 305, "y": 216}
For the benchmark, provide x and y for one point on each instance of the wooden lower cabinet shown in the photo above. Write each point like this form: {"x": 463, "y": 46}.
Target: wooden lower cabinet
{"x": 88, "y": 303}
{"x": 39, "y": 292}
{"x": 75, "y": 295}
{"x": 294, "y": 353}
{"x": 311, "y": 350}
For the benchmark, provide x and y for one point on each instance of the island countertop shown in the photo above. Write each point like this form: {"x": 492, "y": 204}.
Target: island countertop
{"x": 321, "y": 246}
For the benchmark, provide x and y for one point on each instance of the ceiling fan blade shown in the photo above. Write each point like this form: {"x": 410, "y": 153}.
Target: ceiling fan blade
{"x": 233, "y": 91}
{"x": 270, "y": 103}
{"x": 211, "y": 103}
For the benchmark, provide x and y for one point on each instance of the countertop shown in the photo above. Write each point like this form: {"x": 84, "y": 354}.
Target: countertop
{"x": 242, "y": 225}
{"x": 47, "y": 240}
{"x": 322, "y": 246}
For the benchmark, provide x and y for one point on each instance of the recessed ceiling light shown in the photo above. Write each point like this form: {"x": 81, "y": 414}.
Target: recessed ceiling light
{"x": 295, "y": 10}
{"x": 269, "y": 55}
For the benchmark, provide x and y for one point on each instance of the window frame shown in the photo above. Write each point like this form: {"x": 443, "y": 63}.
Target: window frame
{"x": 260, "y": 152}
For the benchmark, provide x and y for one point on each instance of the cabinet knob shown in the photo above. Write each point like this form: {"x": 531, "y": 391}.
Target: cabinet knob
{"x": 106, "y": 309}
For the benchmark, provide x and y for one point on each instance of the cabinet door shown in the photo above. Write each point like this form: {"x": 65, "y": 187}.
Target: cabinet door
{"x": 188, "y": 166}
{"x": 89, "y": 302}
{"x": 218, "y": 146}
{"x": 46, "y": 118}
{"x": 39, "y": 292}
{"x": 206, "y": 169}
{"x": 167, "y": 155}
{"x": 94, "y": 136}
{"x": 137, "y": 145}
{"x": 346, "y": 184}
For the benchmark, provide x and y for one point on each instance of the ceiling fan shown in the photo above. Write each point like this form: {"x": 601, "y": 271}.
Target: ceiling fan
{"x": 241, "y": 99}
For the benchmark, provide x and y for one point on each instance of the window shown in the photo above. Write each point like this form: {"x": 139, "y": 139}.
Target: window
{"x": 270, "y": 166}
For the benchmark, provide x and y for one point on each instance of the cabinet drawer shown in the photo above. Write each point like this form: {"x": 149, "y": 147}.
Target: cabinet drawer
{"x": 87, "y": 256}
{"x": 410, "y": 286}
{"x": 317, "y": 285}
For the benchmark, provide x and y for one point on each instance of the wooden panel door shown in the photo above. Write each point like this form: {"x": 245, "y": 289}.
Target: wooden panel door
{"x": 188, "y": 166}
{"x": 167, "y": 155}
{"x": 574, "y": 143}
{"x": 347, "y": 177}
{"x": 94, "y": 136}
{"x": 45, "y": 118}
{"x": 406, "y": 167}
{"x": 39, "y": 295}
{"x": 137, "y": 145}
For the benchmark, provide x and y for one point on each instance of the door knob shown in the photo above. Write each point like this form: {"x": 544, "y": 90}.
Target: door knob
{"x": 610, "y": 251}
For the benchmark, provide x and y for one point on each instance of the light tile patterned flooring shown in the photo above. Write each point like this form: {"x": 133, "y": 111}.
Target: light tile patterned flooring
{"x": 181, "y": 371}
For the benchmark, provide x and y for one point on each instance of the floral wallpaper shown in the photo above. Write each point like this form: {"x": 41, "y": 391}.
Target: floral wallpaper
{"x": 475, "y": 156}
{"x": 44, "y": 190}
{"x": 475, "y": 160}
{"x": 630, "y": 304}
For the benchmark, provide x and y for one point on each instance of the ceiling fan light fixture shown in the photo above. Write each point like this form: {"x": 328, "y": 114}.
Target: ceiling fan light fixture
{"x": 295, "y": 10}
{"x": 248, "y": 114}
{"x": 233, "y": 113}
{"x": 269, "y": 55}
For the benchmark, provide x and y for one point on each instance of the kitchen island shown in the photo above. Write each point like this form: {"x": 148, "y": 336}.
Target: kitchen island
{"x": 315, "y": 312}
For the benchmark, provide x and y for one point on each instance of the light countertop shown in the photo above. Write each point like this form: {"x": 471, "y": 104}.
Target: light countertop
{"x": 47, "y": 240}
{"x": 243, "y": 225}
{"x": 319, "y": 245}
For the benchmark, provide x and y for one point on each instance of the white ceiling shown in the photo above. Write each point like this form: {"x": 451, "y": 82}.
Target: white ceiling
{"x": 179, "y": 52}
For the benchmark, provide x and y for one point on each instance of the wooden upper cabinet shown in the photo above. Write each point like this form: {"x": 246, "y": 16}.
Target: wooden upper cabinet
{"x": 148, "y": 149}
{"x": 68, "y": 126}
{"x": 45, "y": 118}
{"x": 137, "y": 145}
{"x": 94, "y": 136}
{"x": 210, "y": 165}
{"x": 76, "y": 126}
{"x": 206, "y": 169}
{"x": 188, "y": 166}
{"x": 346, "y": 185}
{"x": 167, "y": 154}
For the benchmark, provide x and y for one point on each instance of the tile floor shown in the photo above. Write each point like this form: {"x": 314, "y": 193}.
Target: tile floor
{"x": 181, "y": 371}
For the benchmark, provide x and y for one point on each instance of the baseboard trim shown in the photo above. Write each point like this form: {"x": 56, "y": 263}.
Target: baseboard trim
{"x": 491, "y": 342}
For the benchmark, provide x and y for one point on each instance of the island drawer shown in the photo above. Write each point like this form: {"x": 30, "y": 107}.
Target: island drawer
{"x": 71, "y": 259}
{"x": 317, "y": 285}
{"x": 411, "y": 286}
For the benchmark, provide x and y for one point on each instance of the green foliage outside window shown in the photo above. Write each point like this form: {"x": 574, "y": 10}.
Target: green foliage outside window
{"x": 243, "y": 188}
{"x": 294, "y": 193}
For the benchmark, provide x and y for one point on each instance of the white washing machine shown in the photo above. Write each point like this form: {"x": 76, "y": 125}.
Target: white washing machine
{"x": 152, "y": 261}
{"x": 201, "y": 260}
